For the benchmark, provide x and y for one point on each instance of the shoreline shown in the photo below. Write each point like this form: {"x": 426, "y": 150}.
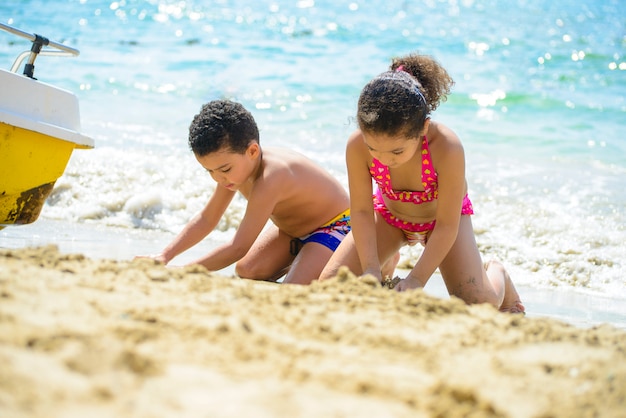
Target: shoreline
{"x": 98, "y": 242}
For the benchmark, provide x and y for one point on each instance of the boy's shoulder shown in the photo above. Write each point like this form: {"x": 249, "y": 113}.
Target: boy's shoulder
{"x": 282, "y": 170}
{"x": 283, "y": 165}
{"x": 278, "y": 164}
{"x": 277, "y": 159}
{"x": 281, "y": 152}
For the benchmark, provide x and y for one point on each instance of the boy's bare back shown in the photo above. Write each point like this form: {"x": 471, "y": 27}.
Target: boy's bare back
{"x": 303, "y": 196}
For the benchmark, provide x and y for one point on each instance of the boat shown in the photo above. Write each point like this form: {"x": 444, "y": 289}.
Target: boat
{"x": 39, "y": 130}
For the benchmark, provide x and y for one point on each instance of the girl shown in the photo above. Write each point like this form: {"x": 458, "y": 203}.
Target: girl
{"x": 418, "y": 166}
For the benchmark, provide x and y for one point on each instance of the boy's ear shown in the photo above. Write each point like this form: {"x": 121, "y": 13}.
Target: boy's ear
{"x": 254, "y": 150}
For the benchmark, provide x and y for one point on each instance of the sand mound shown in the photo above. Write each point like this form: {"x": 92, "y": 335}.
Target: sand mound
{"x": 99, "y": 338}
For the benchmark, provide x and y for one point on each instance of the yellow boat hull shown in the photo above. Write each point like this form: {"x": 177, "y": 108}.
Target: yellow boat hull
{"x": 31, "y": 164}
{"x": 39, "y": 129}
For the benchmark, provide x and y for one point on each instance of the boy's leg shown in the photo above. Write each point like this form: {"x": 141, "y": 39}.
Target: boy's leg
{"x": 269, "y": 257}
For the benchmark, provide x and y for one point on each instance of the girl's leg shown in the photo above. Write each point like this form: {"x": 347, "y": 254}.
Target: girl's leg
{"x": 344, "y": 255}
{"x": 498, "y": 276}
{"x": 388, "y": 241}
{"x": 269, "y": 257}
{"x": 465, "y": 276}
{"x": 308, "y": 264}
{"x": 390, "y": 265}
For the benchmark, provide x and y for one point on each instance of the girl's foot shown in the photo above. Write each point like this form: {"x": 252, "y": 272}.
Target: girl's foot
{"x": 511, "y": 302}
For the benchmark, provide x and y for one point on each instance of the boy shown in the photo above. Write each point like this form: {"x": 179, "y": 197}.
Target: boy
{"x": 309, "y": 208}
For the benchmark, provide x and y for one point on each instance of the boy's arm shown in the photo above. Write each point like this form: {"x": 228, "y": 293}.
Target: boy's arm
{"x": 261, "y": 204}
{"x": 199, "y": 226}
{"x": 361, "y": 210}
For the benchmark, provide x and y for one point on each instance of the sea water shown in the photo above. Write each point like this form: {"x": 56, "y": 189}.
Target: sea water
{"x": 539, "y": 104}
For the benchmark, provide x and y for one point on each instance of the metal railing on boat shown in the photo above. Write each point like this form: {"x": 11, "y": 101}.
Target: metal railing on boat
{"x": 37, "y": 49}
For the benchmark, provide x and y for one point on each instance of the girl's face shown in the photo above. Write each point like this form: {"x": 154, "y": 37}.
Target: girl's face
{"x": 392, "y": 151}
{"x": 230, "y": 169}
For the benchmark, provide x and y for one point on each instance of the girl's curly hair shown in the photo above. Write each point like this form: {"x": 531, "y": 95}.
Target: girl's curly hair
{"x": 400, "y": 100}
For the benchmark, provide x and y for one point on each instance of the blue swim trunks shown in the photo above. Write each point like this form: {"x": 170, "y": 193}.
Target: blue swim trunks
{"x": 329, "y": 235}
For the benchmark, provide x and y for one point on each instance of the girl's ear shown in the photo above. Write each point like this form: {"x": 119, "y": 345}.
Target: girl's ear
{"x": 254, "y": 150}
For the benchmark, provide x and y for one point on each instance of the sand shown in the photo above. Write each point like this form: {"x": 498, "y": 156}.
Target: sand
{"x": 103, "y": 338}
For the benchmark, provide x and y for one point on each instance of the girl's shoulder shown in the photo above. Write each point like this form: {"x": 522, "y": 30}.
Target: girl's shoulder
{"x": 356, "y": 141}
{"x": 444, "y": 145}
{"x": 355, "y": 137}
{"x": 442, "y": 137}
{"x": 356, "y": 148}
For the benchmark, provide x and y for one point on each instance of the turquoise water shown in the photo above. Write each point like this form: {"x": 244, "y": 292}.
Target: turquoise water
{"x": 539, "y": 103}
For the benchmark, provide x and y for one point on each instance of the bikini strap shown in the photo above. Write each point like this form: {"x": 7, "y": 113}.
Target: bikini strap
{"x": 429, "y": 175}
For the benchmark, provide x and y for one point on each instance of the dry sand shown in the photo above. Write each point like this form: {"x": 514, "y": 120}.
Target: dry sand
{"x": 99, "y": 338}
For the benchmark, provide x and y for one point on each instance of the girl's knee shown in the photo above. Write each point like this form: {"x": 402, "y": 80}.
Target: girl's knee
{"x": 473, "y": 296}
{"x": 475, "y": 288}
{"x": 330, "y": 270}
{"x": 494, "y": 265}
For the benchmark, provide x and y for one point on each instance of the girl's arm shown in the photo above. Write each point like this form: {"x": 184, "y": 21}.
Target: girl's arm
{"x": 261, "y": 203}
{"x": 361, "y": 208}
{"x": 452, "y": 188}
{"x": 199, "y": 226}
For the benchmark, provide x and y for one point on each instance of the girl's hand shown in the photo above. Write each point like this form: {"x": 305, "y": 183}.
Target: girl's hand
{"x": 374, "y": 272}
{"x": 156, "y": 257}
{"x": 408, "y": 283}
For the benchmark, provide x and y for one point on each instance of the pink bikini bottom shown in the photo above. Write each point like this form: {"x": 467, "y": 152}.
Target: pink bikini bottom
{"x": 414, "y": 233}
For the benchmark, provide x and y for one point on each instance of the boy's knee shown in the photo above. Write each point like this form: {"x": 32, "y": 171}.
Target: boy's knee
{"x": 243, "y": 270}
{"x": 253, "y": 271}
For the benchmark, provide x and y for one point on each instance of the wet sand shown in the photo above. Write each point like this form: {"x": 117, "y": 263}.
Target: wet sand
{"x": 99, "y": 242}
{"x": 101, "y": 338}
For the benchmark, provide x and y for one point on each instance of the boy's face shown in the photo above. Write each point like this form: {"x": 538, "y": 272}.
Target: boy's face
{"x": 230, "y": 169}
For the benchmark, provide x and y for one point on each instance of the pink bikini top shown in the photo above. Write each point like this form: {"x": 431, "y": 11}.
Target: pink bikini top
{"x": 380, "y": 174}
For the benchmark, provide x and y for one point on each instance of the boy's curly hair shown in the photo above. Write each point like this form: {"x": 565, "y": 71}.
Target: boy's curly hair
{"x": 222, "y": 125}
{"x": 400, "y": 100}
